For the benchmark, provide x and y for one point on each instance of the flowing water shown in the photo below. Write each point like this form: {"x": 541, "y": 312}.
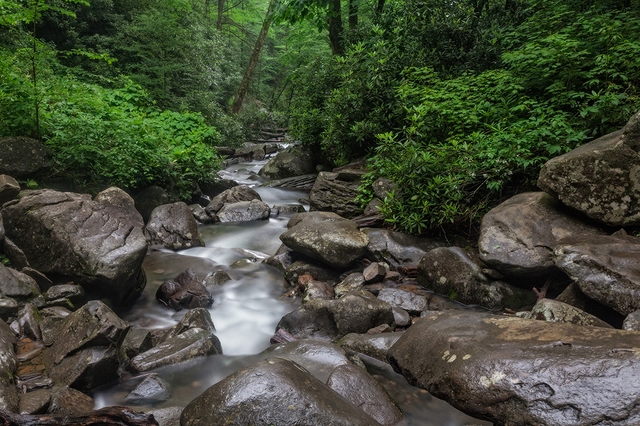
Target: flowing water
{"x": 246, "y": 311}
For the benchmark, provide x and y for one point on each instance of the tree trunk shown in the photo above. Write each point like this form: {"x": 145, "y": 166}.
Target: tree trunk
{"x": 353, "y": 14}
{"x": 335, "y": 27}
{"x": 115, "y": 416}
{"x": 379, "y": 8}
{"x": 220, "y": 15}
{"x": 253, "y": 60}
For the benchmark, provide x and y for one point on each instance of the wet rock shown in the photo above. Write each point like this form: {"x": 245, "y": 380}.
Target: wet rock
{"x": 401, "y": 317}
{"x": 319, "y": 357}
{"x": 452, "y": 272}
{"x": 16, "y": 285}
{"x": 150, "y": 198}
{"x": 397, "y": 249}
{"x": 8, "y": 308}
{"x": 70, "y": 402}
{"x": 86, "y": 369}
{"x": 555, "y": 311}
{"x": 105, "y": 416}
{"x": 243, "y": 211}
{"x": 230, "y": 196}
{"x": 375, "y": 271}
{"x": 184, "y": 291}
{"x": 572, "y": 295}
{"x": 200, "y": 214}
{"x": 136, "y": 341}
{"x": 333, "y": 192}
{"x": 169, "y": 416}
{"x": 274, "y": 391}
{"x": 41, "y": 279}
{"x": 517, "y": 237}
{"x": 173, "y": 226}
{"x": 515, "y": 371}
{"x": 326, "y": 237}
{"x": 295, "y": 161}
{"x": 600, "y": 178}
{"x": 373, "y": 345}
{"x": 28, "y": 322}
{"x": 95, "y": 324}
{"x": 66, "y": 295}
{"x": 216, "y": 278}
{"x": 318, "y": 290}
{"x": 302, "y": 267}
{"x": 23, "y": 157}
{"x": 151, "y": 389}
{"x": 632, "y": 321}
{"x": 351, "y": 283}
{"x": 411, "y": 302}
{"x": 9, "y": 188}
{"x": 35, "y": 402}
{"x": 328, "y": 319}
{"x": 98, "y": 244}
{"x": 606, "y": 269}
{"x": 8, "y": 360}
{"x": 279, "y": 209}
{"x": 16, "y": 256}
{"x": 51, "y": 322}
{"x": 360, "y": 389}
{"x": 192, "y": 337}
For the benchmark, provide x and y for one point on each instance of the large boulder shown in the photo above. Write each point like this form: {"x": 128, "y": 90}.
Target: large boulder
{"x": 8, "y": 366}
{"x": 326, "y": 237}
{"x": 336, "y": 192}
{"x": 518, "y": 237}
{"x": 600, "y": 178}
{"x": 184, "y": 291}
{"x": 9, "y": 189}
{"x": 96, "y": 243}
{"x": 329, "y": 319}
{"x": 452, "y": 272}
{"x": 274, "y": 391}
{"x": 295, "y": 161}
{"x": 606, "y": 268}
{"x": 230, "y": 196}
{"x": 556, "y": 311}
{"x": 244, "y": 211}
{"x": 22, "y": 157}
{"x": 174, "y": 227}
{"x": 514, "y": 371}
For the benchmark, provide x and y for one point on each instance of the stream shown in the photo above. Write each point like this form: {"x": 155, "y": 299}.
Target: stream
{"x": 246, "y": 311}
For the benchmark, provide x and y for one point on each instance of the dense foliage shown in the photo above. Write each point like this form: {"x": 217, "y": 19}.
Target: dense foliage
{"x": 460, "y": 105}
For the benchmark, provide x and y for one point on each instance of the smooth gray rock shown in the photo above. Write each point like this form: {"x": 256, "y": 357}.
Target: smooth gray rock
{"x": 200, "y": 214}
{"x": 173, "y": 226}
{"x": 136, "y": 341}
{"x": 600, "y": 178}
{"x": 28, "y": 323}
{"x": 517, "y": 237}
{"x": 329, "y": 319}
{"x": 169, "y": 416}
{"x": 8, "y": 360}
{"x": 273, "y": 391}
{"x": 401, "y": 317}
{"x": 244, "y": 211}
{"x": 16, "y": 285}
{"x": 326, "y": 237}
{"x": 510, "y": 370}
{"x": 359, "y": 388}
{"x": 351, "y": 283}
{"x": 97, "y": 243}
{"x": 66, "y": 295}
{"x": 151, "y": 389}
{"x": 295, "y": 161}
{"x": 410, "y": 302}
{"x": 606, "y": 269}
{"x": 51, "y": 322}
{"x": 452, "y": 272}
{"x": 35, "y": 402}
{"x": 230, "y": 196}
{"x": 373, "y": 345}
{"x": 632, "y": 321}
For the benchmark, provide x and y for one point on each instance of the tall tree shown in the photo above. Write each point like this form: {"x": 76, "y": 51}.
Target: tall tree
{"x": 254, "y": 59}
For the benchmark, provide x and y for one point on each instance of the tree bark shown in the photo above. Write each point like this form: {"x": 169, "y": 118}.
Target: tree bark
{"x": 253, "y": 60}
{"x": 114, "y": 416}
{"x": 220, "y": 14}
{"x": 379, "y": 8}
{"x": 335, "y": 27}
{"x": 353, "y": 14}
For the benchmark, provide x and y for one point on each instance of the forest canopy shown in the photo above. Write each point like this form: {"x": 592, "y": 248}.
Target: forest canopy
{"x": 459, "y": 103}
